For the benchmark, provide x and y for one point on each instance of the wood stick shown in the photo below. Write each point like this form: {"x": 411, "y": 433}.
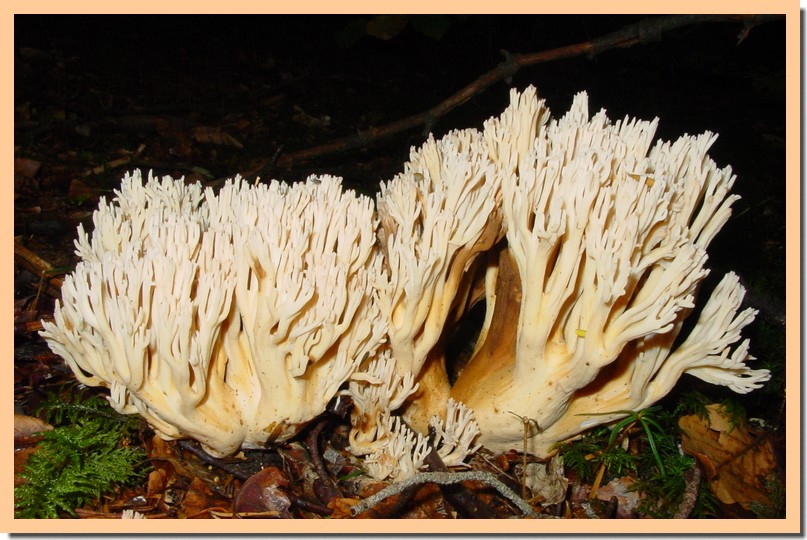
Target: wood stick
{"x": 38, "y": 266}
{"x": 644, "y": 31}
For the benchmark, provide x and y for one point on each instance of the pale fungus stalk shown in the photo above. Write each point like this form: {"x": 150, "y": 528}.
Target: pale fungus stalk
{"x": 436, "y": 217}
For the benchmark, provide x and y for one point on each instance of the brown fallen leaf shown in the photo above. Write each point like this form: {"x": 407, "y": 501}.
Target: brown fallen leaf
{"x": 627, "y": 499}
{"x": 737, "y": 461}
{"x": 159, "y": 448}
{"x": 341, "y": 507}
{"x": 158, "y": 480}
{"x": 200, "y": 499}
{"x": 265, "y": 494}
{"x": 547, "y": 482}
{"x": 26, "y": 426}
{"x": 79, "y": 190}
{"x": 26, "y": 168}
{"x": 163, "y": 457}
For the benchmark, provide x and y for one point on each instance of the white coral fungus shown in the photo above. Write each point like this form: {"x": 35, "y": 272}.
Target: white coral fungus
{"x": 604, "y": 251}
{"x": 233, "y": 318}
{"x": 230, "y": 318}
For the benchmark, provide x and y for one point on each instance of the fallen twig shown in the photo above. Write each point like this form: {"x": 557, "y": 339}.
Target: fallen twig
{"x": 330, "y": 489}
{"x": 115, "y": 163}
{"x": 692, "y": 478}
{"x": 207, "y": 459}
{"x": 443, "y": 478}
{"x": 644, "y": 31}
{"x": 460, "y": 497}
{"x": 50, "y": 280}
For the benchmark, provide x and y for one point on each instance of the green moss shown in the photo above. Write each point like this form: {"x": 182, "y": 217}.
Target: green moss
{"x": 77, "y": 462}
{"x": 655, "y": 461}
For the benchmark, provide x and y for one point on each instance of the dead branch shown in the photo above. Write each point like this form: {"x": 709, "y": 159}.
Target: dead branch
{"x": 329, "y": 488}
{"x": 443, "y": 478}
{"x": 50, "y": 280}
{"x": 461, "y": 498}
{"x": 645, "y": 31}
{"x": 692, "y": 478}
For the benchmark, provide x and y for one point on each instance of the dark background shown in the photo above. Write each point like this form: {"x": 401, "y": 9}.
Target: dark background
{"x": 87, "y": 87}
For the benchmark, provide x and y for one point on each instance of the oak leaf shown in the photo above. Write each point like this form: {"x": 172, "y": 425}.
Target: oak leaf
{"x": 736, "y": 458}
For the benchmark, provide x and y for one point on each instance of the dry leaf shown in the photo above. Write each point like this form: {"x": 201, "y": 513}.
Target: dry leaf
{"x": 26, "y": 167}
{"x": 156, "y": 484}
{"x": 264, "y": 493}
{"x": 79, "y": 189}
{"x": 547, "y": 482}
{"x": 627, "y": 500}
{"x": 25, "y": 426}
{"x": 199, "y": 499}
{"x": 159, "y": 448}
{"x": 738, "y": 460}
{"x": 426, "y": 504}
{"x": 341, "y": 507}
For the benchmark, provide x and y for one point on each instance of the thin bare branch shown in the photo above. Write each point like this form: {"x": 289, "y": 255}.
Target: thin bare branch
{"x": 644, "y": 31}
